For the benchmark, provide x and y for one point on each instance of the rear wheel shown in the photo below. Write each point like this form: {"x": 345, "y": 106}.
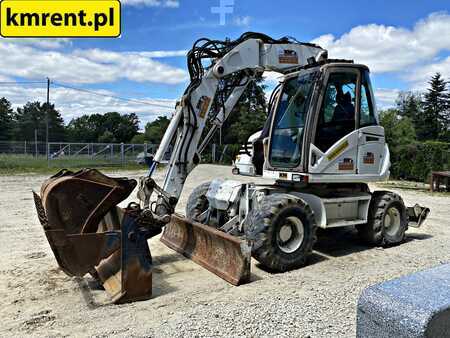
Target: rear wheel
{"x": 197, "y": 202}
{"x": 283, "y": 231}
{"x": 387, "y": 221}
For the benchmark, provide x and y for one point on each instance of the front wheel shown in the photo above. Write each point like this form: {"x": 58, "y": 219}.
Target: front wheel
{"x": 387, "y": 221}
{"x": 283, "y": 231}
{"x": 197, "y": 202}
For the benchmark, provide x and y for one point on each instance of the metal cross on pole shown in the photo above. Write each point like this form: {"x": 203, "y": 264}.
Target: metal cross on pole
{"x": 46, "y": 117}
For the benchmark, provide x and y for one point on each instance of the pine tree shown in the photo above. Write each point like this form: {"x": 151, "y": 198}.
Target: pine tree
{"x": 433, "y": 124}
{"x": 409, "y": 104}
{"x": 446, "y": 118}
{"x": 6, "y": 122}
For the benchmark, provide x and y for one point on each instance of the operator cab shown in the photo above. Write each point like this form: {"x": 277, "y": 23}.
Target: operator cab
{"x": 325, "y": 127}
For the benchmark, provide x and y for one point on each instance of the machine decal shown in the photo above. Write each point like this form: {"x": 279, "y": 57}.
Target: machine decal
{"x": 287, "y": 56}
{"x": 283, "y": 175}
{"x": 346, "y": 164}
{"x": 203, "y": 105}
{"x": 335, "y": 153}
{"x": 369, "y": 158}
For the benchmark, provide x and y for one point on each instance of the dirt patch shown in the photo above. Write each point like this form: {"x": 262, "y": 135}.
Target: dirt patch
{"x": 318, "y": 300}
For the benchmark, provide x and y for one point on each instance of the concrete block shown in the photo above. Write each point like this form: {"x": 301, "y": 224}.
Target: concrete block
{"x": 412, "y": 306}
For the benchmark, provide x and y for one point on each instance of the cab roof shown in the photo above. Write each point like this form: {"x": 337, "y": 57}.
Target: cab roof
{"x": 323, "y": 65}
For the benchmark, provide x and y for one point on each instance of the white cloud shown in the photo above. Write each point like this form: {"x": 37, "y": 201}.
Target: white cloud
{"x": 242, "y": 20}
{"x": 5, "y": 79}
{"x": 50, "y": 43}
{"x": 420, "y": 76}
{"x": 72, "y": 104}
{"x": 163, "y": 53}
{"x": 386, "y": 97}
{"x": 83, "y": 66}
{"x": 272, "y": 78}
{"x": 391, "y": 49}
{"x": 152, "y": 3}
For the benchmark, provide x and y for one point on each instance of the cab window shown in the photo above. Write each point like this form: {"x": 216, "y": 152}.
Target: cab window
{"x": 337, "y": 114}
{"x": 367, "y": 115}
{"x": 289, "y": 121}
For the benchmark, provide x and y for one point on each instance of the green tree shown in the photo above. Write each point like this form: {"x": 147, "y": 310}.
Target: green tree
{"x": 398, "y": 130}
{"x": 433, "y": 123}
{"x": 33, "y": 116}
{"x": 154, "y": 131}
{"x": 401, "y": 138}
{"x": 85, "y": 128}
{"x": 6, "y": 120}
{"x": 409, "y": 104}
{"x": 122, "y": 126}
{"x": 111, "y": 126}
{"x": 107, "y": 137}
{"x": 138, "y": 139}
{"x": 248, "y": 116}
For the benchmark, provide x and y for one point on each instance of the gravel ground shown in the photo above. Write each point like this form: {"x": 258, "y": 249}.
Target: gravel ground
{"x": 318, "y": 300}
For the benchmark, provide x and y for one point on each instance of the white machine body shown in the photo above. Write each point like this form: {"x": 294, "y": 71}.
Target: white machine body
{"x": 322, "y": 142}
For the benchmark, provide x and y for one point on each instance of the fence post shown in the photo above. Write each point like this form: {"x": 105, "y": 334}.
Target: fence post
{"x": 122, "y": 153}
{"x": 48, "y": 154}
{"x": 213, "y": 153}
{"x": 145, "y": 149}
{"x": 25, "y": 148}
{"x": 111, "y": 146}
{"x": 35, "y": 143}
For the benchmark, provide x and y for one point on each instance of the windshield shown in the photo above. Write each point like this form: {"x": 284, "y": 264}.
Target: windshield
{"x": 289, "y": 122}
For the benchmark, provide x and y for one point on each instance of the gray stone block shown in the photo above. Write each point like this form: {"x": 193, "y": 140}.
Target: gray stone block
{"x": 416, "y": 305}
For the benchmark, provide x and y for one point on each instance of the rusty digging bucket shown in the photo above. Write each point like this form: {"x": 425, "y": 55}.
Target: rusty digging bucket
{"x": 223, "y": 254}
{"x": 88, "y": 233}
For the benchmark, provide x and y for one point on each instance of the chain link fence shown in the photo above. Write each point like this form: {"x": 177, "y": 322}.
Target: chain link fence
{"x": 220, "y": 153}
{"x": 73, "y": 154}
{"x": 98, "y": 154}
{"x": 23, "y": 148}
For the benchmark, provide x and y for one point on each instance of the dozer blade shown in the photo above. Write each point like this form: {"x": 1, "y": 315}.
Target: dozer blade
{"x": 223, "y": 254}
{"x": 88, "y": 233}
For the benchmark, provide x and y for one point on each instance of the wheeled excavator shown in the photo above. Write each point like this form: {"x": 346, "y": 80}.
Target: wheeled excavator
{"x": 321, "y": 146}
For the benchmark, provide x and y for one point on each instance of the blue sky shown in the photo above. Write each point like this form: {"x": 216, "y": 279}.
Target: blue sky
{"x": 403, "y": 42}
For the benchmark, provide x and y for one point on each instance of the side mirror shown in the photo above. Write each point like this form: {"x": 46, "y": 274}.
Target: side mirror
{"x": 148, "y": 159}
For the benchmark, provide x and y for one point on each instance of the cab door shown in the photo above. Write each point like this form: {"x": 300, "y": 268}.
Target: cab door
{"x": 371, "y": 143}
{"x": 334, "y": 144}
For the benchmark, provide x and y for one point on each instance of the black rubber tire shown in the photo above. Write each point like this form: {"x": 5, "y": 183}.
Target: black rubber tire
{"x": 197, "y": 202}
{"x": 374, "y": 232}
{"x": 264, "y": 223}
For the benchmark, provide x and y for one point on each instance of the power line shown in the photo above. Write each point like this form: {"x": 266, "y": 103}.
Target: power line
{"x": 21, "y": 82}
{"x": 57, "y": 84}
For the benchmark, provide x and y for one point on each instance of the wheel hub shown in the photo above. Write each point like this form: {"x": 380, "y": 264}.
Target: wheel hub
{"x": 290, "y": 235}
{"x": 285, "y": 233}
{"x": 392, "y": 220}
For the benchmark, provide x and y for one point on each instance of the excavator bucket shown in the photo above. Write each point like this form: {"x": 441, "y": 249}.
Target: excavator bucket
{"x": 225, "y": 255}
{"x": 88, "y": 233}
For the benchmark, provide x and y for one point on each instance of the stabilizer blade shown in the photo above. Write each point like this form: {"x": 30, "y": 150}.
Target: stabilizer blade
{"x": 224, "y": 255}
